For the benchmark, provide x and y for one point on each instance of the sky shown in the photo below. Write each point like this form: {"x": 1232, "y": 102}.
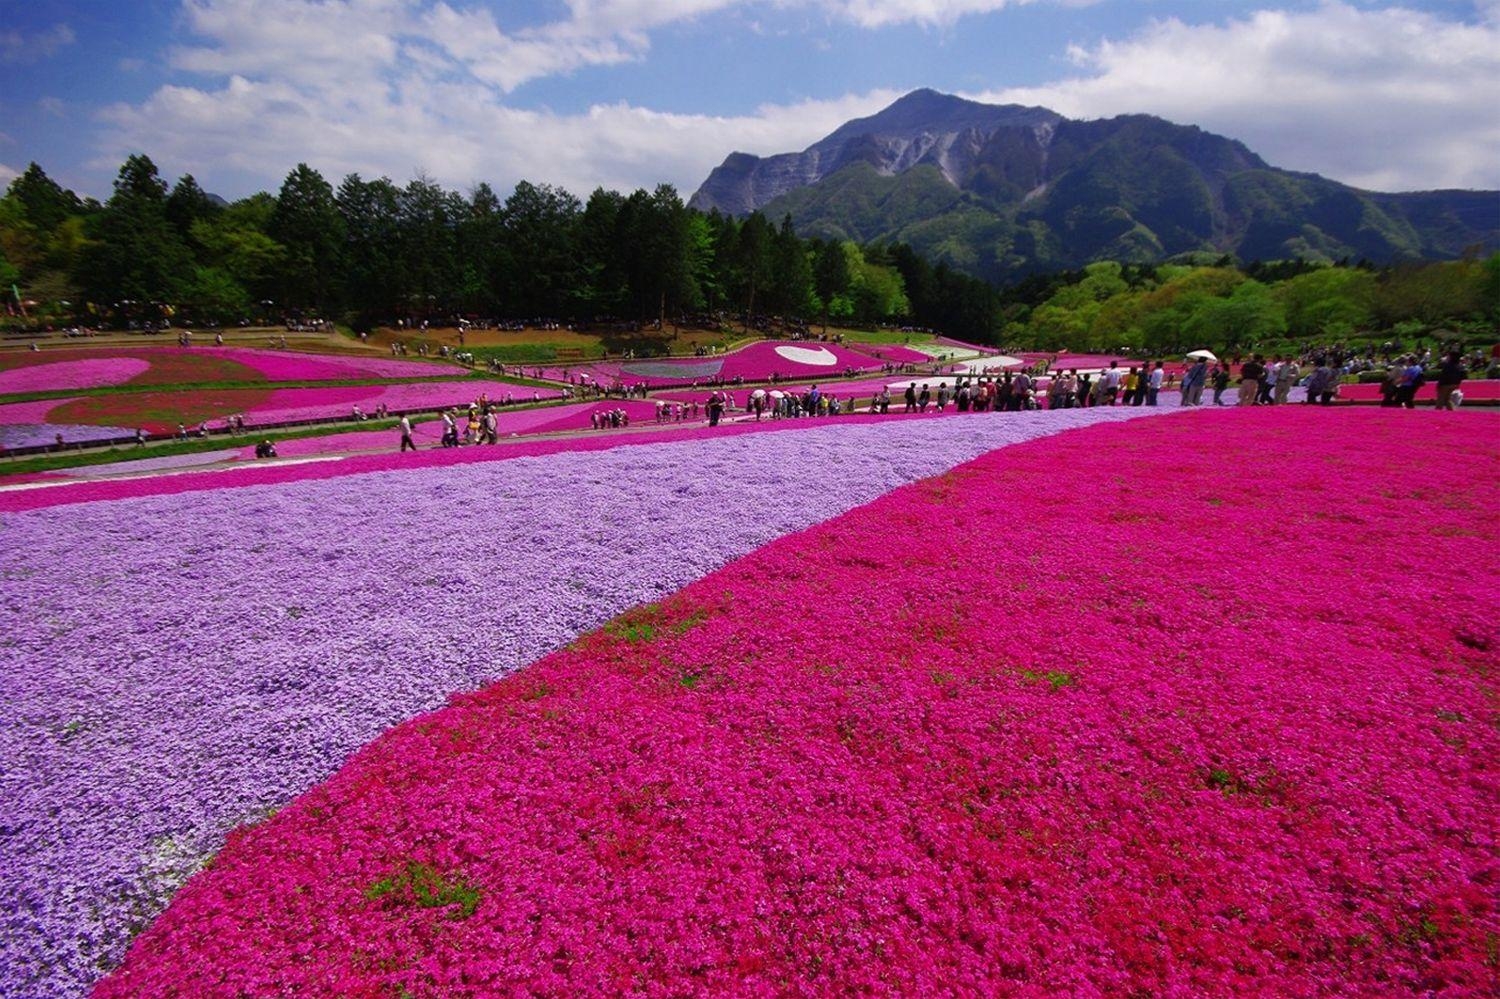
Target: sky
{"x": 1389, "y": 96}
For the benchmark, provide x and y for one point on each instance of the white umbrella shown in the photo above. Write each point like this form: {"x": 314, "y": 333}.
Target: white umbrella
{"x": 1201, "y": 355}
{"x": 777, "y": 394}
{"x": 758, "y": 394}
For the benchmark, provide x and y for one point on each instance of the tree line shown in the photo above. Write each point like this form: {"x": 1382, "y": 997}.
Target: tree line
{"x": 370, "y": 251}
{"x": 1166, "y": 308}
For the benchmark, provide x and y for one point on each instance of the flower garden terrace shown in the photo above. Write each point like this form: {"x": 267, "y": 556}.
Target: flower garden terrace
{"x": 1083, "y": 758}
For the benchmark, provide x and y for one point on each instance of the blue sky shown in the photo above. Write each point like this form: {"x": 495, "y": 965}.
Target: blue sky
{"x": 629, "y": 93}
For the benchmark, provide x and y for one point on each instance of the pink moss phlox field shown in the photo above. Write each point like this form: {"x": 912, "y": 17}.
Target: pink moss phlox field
{"x": 1184, "y": 727}
{"x": 541, "y": 420}
{"x": 285, "y": 366}
{"x": 892, "y": 353}
{"x": 24, "y": 372}
{"x": 290, "y": 404}
{"x": 1474, "y": 390}
{"x": 178, "y": 667}
{"x": 65, "y": 375}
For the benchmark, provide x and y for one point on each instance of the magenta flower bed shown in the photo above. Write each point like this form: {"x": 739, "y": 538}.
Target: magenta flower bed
{"x": 853, "y": 763}
{"x": 66, "y": 375}
{"x": 428, "y": 433}
{"x": 892, "y": 353}
{"x": 1474, "y": 390}
{"x": 285, "y": 366}
{"x": 291, "y": 404}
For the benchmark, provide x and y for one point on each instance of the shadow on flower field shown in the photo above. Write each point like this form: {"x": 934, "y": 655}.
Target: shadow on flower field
{"x": 1213, "y": 713}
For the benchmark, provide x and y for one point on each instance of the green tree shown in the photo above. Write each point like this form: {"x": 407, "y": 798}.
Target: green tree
{"x": 308, "y": 226}
{"x": 374, "y": 282}
{"x": 45, "y": 203}
{"x": 136, "y": 254}
{"x": 541, "y": 226}
{"x": 233, "y": 245}
{"x": 1247, "y": 315}
{"x": 429, "y": 219}
{"x": 752, "y": 261}
{"x": 791, "y": 272}
{"x": 188, "y": 204}
{"x": 482, "y": 253}
{"x": 831, "y": 276}
{"x": 1332, "y": 301}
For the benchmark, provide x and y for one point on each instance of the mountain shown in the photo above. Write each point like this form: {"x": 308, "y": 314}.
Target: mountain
{"x": 1001, "y": 191}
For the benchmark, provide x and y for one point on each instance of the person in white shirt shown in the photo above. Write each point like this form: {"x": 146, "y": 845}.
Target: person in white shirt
{"x": 1153, "y": 383}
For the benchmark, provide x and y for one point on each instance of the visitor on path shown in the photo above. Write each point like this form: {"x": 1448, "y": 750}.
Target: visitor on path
{"x": 406, "y": 441}
{"x": 1266, "y": 383}
{"x": 924, "y": 399}
{"x": 1450, "y": 377}
{"x": 1020, "y": 392}
{"x": 1153, "y": 383}
{"x": 1286, "y": 377}
{"x": 1109, "y": 381}
{"x": 1412, "y": 378}
{"x": 1250, "y": 375}
{"x": 1221, "y": 382}
{"x": 911, "y": 398}
{"x": 1193, "y": 382}
{"x": 1322, "y": 385}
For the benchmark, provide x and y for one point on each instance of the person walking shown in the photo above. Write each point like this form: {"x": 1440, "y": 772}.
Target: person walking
{"x": 1412, "y": 378}
{"x": 1286, "y": 377}
{"x": 1109, "y": 382}
{"x": 1221, "y": 382}
{"x": 1192, "y": 384}
{"x": 1250, "y": 375}
{"x": 406, "y": 441}
{"x": 1450, "y": 376}
{"x": 1153, "y": 383}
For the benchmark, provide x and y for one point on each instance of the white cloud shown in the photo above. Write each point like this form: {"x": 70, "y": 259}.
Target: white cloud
{"x": 7, "y": 174}
{"x": 16, "y": 47}
{"x": 885, "y": 13}
{"x": 1387, "y": 99}
{"x": 456, "y": 132}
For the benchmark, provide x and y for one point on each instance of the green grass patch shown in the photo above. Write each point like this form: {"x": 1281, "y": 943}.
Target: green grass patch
{"x": 526, "y": 353}
{"x": 882, "y": 336}
{"x": 1056, "y": 679}
{"x": 423, "y": 886}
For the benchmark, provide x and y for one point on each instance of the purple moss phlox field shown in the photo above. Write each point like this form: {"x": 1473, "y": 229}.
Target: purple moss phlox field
{"x": 1167, "y": 726}
{"x": 176, "y": 666}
